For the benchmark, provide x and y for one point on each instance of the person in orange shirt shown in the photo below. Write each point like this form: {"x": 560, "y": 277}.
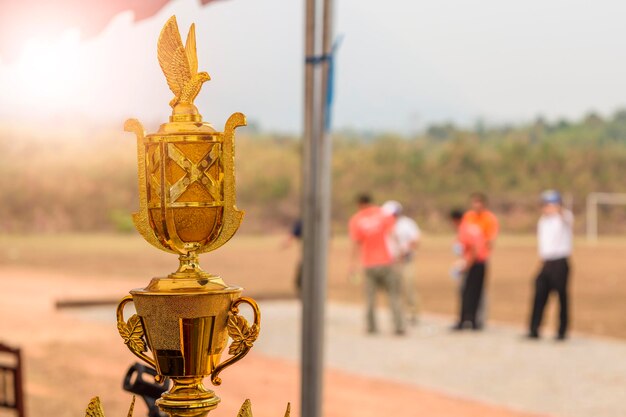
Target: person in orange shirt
{"x": 370, "y": 228}
{"x": 474, "y": 250}
{"x": 482, "y": 217}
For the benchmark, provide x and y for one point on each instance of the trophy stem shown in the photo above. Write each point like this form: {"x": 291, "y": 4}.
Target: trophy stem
{"x": 189, "y": 263}
{"x": 189, "y": 269}
{"x": 188, "y": 398}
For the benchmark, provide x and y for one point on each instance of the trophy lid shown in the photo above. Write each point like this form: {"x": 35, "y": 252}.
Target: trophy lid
{"x": 186, "y": 285}
{"x": 185, "y": 120}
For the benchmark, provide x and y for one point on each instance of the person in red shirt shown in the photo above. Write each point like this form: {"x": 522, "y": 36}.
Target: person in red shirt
{"x": 370, "y": 228}
{"x": 474, "y": 250}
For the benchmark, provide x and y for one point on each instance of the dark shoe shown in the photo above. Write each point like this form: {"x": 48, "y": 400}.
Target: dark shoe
{"x": 532, "y": 336}
{"x": 457, "y": 327}
{"x": 477, "y": 327}
{"x": 400, "y": 332}
{"x": 560, "y": 338}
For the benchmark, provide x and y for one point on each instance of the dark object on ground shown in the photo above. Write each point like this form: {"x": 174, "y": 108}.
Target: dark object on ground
{"x": 140, "y": 381}
{"x": 11, "y": 383}
{"x": 80, "y": 303}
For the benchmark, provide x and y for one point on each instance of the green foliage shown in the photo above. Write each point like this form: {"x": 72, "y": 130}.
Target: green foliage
{"x": 122, "y": 221}
{"x": 89, "y": 183}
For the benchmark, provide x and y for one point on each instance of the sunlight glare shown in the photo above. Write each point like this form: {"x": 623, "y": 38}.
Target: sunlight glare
{"x": 48, "y": 71}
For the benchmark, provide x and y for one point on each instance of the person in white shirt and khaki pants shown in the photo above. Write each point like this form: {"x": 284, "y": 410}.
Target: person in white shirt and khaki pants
{"x": 403, "y": 243}
{"x": 554, "y": 236}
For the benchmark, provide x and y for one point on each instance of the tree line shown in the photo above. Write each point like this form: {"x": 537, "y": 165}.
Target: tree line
{"x": 89, "y": 183}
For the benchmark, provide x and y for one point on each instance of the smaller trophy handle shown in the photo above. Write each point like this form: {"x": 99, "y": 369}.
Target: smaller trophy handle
{"x": 242, "y": 334}
{"x": 134, "y": 335}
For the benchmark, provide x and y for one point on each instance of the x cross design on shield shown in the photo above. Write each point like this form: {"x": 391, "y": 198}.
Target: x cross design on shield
{"x": 155, "y": 181}
{"x": 194, "y": 172}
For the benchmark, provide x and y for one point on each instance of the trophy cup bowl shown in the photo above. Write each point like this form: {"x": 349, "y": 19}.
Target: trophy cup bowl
{"x": 187, "y": 332}
{"x": 186, "y": 184}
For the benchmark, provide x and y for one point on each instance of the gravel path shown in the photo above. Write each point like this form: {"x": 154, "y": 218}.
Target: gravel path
{"x": 583, "y": 377}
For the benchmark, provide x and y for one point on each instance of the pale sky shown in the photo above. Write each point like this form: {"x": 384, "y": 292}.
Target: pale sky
{"x": 402, "y": 64}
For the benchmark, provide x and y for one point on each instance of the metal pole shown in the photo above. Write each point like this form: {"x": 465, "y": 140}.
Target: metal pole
{"x": 327, "y": 50}
{"x": 317, "y": 186}
{"x": 313, "y": 248}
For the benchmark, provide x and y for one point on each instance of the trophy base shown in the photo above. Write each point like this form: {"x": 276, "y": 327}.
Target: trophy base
{"x": 188, "y": 398}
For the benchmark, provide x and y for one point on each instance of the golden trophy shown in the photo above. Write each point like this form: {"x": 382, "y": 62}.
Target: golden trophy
{"x": 187, "y": 207}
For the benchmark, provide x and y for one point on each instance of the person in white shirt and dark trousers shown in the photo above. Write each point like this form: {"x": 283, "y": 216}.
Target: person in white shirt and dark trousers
{"x": 554, "y": 236}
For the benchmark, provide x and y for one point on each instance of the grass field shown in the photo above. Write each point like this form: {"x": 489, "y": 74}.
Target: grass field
{"x": 259, "y": 264}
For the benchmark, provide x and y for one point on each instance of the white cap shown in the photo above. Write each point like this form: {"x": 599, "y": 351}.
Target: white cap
{"x": 392, "y": 207}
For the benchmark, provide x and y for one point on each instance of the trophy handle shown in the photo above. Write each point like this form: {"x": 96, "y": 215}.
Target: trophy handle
{"x": 232, "y": 215}
{"x": 134, "y": 335}
{"x": 241, "y": 333}
{"x": 140, "y": 219}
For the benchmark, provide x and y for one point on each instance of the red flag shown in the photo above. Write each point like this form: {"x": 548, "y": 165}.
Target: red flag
{"x": 24, "y": 19}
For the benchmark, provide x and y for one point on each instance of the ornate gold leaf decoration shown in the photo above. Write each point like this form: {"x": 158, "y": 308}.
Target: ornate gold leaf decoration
{"x": 246, "y": 410}
{"x": 242, "y": 334}
{"x": 180, "y": 63}
{"x": 132, "y": 407}
{"x": 132, "y": 333}
{"x": 94, "y": 409}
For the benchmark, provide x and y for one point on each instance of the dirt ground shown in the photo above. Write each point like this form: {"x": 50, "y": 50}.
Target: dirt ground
{"x": 266, "y": 269}
{"x": 69, "y": 358}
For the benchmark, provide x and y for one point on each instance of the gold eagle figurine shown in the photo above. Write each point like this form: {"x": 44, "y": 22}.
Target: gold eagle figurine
{"x": 94, "y": 409}
{"x": 180, "y": 63}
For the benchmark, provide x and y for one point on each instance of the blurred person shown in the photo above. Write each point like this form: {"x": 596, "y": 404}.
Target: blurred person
{"x": 481, "y": 216}
{"x": 295, "y": 237}
{"x": 474, "y": 249}
{"x": 404, "y": 241}
{"x": 369, "y": 229}
{"x": 554, "y": 239}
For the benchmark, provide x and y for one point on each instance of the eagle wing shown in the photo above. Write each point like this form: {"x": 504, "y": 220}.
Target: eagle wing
{"x": 94, "y": 409}
{"x": 172, "y": 57}
{"x": 190, "y": 50}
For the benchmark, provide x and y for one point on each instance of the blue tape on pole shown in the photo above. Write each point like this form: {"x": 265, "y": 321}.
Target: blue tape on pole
{"x": 330, "y": 91}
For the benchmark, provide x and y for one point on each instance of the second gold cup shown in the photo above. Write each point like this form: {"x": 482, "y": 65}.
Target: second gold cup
{"x": 186, "y": 325}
